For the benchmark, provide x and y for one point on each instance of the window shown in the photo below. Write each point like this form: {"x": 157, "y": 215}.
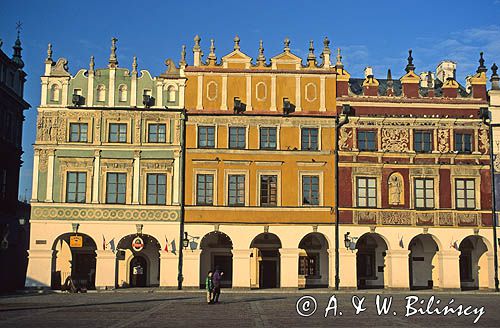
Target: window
{"x": 204, "y": 189}
{"x": 76, "y": 187}
{"x": 78, "y": 132}
{"x": 55, "y": 92}
{"x": 366, "y": 192}
{"x": 122, "y": 92}
{"x": 237, "y": 137}
{"x": 268, "y": 190}
{"x": 309, "y": 139}
{"x": 422, "y": 141}
{"x": 116, "y": 186}
{"x": 367, "y": 140}
{"x": 157, "y": 188}
{"x": 310, "y": 190}
{"x": 157, "y": 133}
{"x": 3, "y": 184}
{"x": 268, "y": 138}
{"x": 101, "y": 93}
{"x": 424, "y": 193}
{"x": 465, "y": 193}
{"x": 463, "y": 142}
{"x": 309, "y": 265}
{"x": 236, "y": 192}
{"x": 118, "y": 132}
{"x": 206, "y": 137}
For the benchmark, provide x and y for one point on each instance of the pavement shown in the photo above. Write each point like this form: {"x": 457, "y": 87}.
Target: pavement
{"x": 267, "y": 308}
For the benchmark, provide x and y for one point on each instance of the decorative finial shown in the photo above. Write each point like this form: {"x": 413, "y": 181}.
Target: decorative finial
{"x": 287, "y": 44}
{"x": 49, "y": 51}
{"x": 339, "y": 59}
{"x": 495, "y": 79}
{"x": 311, "y": 58}
{"x": 261, "y": 58}
{"x": 134, "y": 65}
{"x": 197, "y": 40}
{"x": 389, "y": 75}
{"x": 183, "y": 55}
{"x": 326, "y": 45}
{"x": 410, "y": 66}
{"x": 16, "y": 57}
{"x": 236, "y": 43}
{"x": 211, "y": 55}
{"x": 481, "y": 68}
{"x": 113, "y": 62}
{"x": 92, "y": 64}
{"x": 390, "y": 83}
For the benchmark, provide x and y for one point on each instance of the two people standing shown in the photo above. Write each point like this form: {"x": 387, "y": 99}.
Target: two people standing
{"x": 212, "y": 283}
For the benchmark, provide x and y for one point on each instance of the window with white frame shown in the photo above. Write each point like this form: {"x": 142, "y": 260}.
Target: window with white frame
{"x": 237, "y": 137}
{"x": 268, "y": 190}
{"x": 268, "y": 138}
{"x": 366, "y": 192}
{"x": 236, "y": 190}
{"x": 309, "y": 138}
{"x": 76, "y": 185}
{"x": 206, "y": 137}
{"x": 465, "y": 193}
{"x": 310, "y": 190}
{"x": 204, "y": 189}
{"x": 78, "y": 132}
{"x": 157, "y": 133}
{"x": 424, "y": 193}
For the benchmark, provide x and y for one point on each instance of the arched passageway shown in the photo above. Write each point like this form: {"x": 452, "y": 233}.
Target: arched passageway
{"x": 423, "y": 249}
{"x": 216, "y": 252}
{"x": 370, "y": 262}
{"x": 265, "y": 265}
{"x": 474, "y": 264}
{"x": 313, "y": 261}
{"x": 138, "y": 261}
{"x": 75, "y": 257}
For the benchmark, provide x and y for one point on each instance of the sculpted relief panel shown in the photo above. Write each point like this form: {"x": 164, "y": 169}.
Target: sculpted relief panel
{"x": 395, "y": 140}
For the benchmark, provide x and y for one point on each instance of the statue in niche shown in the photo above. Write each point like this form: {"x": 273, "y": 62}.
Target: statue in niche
{"x": 396, "y": 194}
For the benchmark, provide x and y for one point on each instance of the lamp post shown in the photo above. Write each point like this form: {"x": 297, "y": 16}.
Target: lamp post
{"x": 180, "y": 277}
{"x": 346, "y": 109}
{"x": 493, "y": 196}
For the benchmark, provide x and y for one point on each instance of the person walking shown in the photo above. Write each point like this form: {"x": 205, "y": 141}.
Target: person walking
{"x": 210, "y": 287}
{"x": 217, "y": 277}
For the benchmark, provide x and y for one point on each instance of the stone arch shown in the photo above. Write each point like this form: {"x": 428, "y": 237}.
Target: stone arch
{"x": 265, "y": 264}
{"x": 370, "y": 263}
{"x": 313, "y": 261}
{"x": 75, "y": 261}
{"x": 422, "y": 261}
{"x": 127, "y": 255}
{"x": 475, "y": 267}
{"x": 216, "y": 252}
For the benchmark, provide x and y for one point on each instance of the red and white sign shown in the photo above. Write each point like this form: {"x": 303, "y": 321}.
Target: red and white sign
{"x": 137, "y": 244}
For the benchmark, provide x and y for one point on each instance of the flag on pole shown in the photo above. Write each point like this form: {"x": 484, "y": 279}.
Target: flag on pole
{"x": 112, "y": 245}
{"x": 166, "y": 244}
{"x": 401, "y": 244}
{"x": 103, "y": 243}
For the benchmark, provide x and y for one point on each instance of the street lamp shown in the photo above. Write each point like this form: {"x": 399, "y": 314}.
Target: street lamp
{"x": 346, "y": 111}
{"x": 185, "y": 241}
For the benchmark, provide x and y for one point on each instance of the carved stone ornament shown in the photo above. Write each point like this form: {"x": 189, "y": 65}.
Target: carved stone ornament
{"x": 396, "y": 218}
{"x": 60, "y": 68}
{"x": 395, "y": 140}
{"x": 484, "y": 145}
{"x": 345, "y": 136}
{"x": 446, "y": 219}
{"x": 467, "y": 218}
{"x": 443, "y": 141}
{"x": 496, "y": 163}
{"x": 47, "y": 127}
{"x": 396, "y": 189}
{"x": 365, "y": 217}
{"x": 43, "y": 160}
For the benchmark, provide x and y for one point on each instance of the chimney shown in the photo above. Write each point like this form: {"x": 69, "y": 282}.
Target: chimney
{"x": 478, "y": 80}
{"x": 410, "y": 82}
{"x": 427, "y": 82}
{"x": 370, "y": 84}
{"x": 342, "y": 77}
{"x": 450, "y": 88}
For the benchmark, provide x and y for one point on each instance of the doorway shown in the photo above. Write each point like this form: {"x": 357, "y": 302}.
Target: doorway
{"x": 138, "y": 271}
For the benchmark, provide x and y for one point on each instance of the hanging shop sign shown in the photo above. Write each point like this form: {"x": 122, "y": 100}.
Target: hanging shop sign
{"x": 137, "y": 244}
{"x": 76, "y": 241}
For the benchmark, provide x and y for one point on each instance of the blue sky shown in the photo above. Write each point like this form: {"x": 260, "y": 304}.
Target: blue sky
{"x": 370, "y": 33}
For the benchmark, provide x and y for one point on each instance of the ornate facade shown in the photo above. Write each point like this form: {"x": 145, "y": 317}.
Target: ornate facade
{"x": 256, "y": 196}
{"x": 106, "y": 168}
